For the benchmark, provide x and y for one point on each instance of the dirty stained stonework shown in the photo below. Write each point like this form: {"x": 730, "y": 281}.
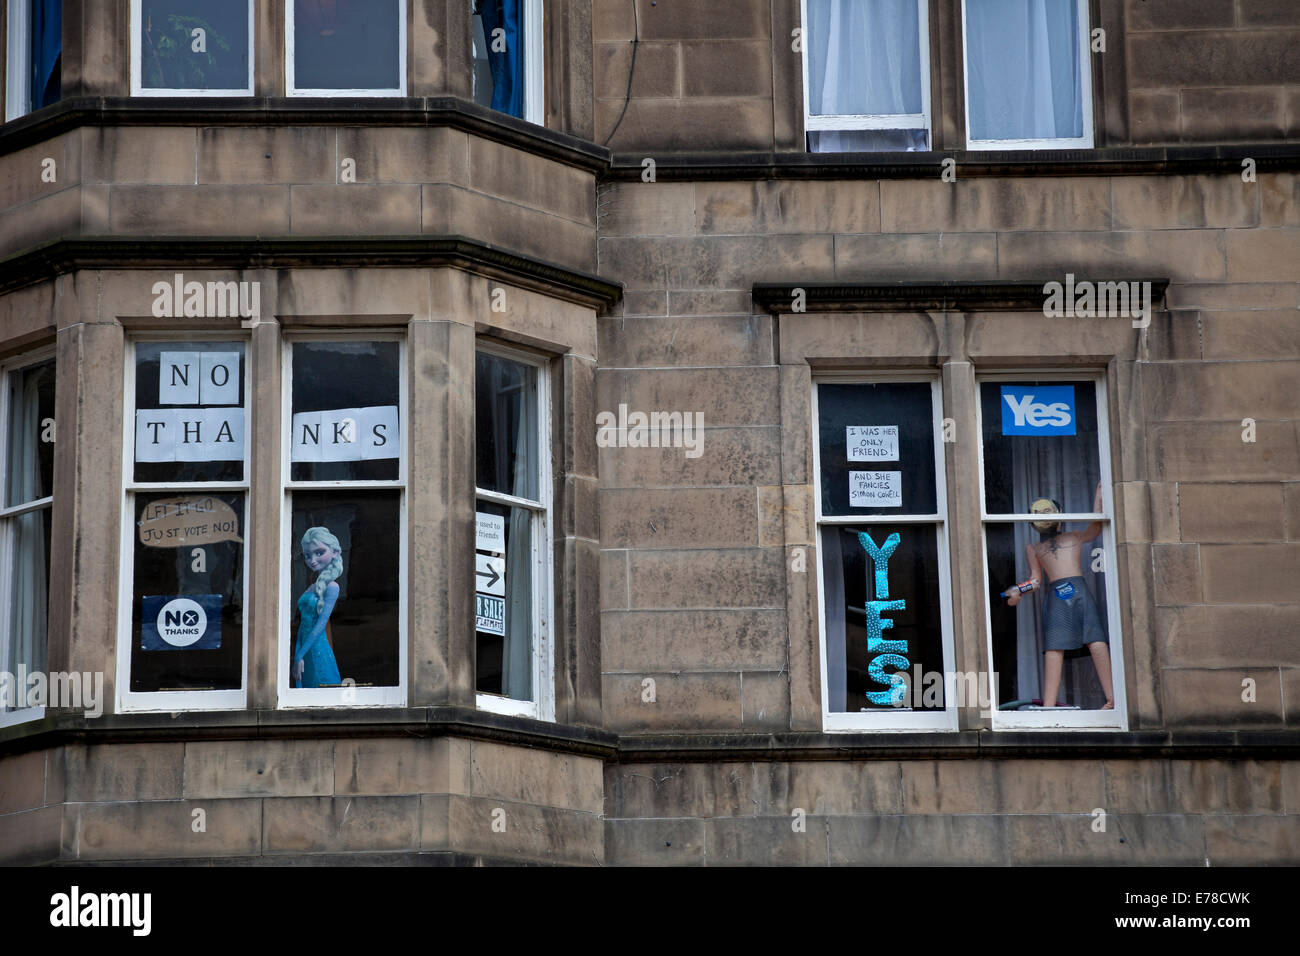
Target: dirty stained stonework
{"x": 685, "y": 627}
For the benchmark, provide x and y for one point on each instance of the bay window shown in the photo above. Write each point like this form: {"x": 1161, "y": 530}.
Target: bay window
{"x": 345, "y": 47}
{"x": 513, "y": 567}
{"x": 27, "y": 437}
{"x": 184, "y": 535}
{"x": 343, "y": 536}
{"x": 508, "y": 57}
{"x": 191, "y": 48}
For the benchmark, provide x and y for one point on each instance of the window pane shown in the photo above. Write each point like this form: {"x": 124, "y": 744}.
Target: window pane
{"x": 31, "y": 434}
{"x": 346, "y": 412}
{"x": 30, "y": 590}
{"x": 863, "y": 58}
{"x": 187, "y": 605}
{"x": 499, "y": 56}
{"x": 1022, "y": 69}
{"x": 189, "y": 420}
{"x": 168, "y": 58}
{"x": 504, "y": 608}
{"x": 505, "y": 409}
{"x": 1040, "y": 442}
{"x": 1067, "y": 614}
{"x": 882, "y": 617}
{"x": 867, "y": 140}
{"x": 345, "y": 588}
{"x": 347, "y": 44}
{"x": 877, "y": 449}
{"x": 46, "y": 53}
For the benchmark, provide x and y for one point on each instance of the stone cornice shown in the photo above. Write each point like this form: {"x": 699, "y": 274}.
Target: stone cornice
{"x": 62, "y": 256}
{"x": 1106, "y": 161}
{"x": 63, "y": 729}
{"x": 939, "y": 295}
{"x": 447, "y": 111}
{"x": 461, "y": 114}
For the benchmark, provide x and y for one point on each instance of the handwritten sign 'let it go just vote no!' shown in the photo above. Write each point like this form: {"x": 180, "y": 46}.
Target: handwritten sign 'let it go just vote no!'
{"x": 194, "y": 520}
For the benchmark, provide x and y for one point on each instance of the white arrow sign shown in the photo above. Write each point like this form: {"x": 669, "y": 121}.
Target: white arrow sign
{"x": 490, "y": 574}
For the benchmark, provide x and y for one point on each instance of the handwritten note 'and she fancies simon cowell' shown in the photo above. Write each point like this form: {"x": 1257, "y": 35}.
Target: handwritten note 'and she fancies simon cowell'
{"x": 873, "y": 489}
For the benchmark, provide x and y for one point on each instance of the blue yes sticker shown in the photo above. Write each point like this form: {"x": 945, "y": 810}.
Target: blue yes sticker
{"x": 1038, "y": 410}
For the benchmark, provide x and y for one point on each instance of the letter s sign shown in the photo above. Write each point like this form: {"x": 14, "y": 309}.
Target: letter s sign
{"x": 1038, "y": 410}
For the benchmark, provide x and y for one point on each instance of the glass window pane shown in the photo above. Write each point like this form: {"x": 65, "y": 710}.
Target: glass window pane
{"x": 347, "y": 44}
{"x": 499, "y": 53}
{"x": 1040, "y": 442}
{"x": 505, "y": 409}
{"x": 877, "y": 449}
{"x": 189, "y": 419}
{"x": 187, "y": 605}
{"x": 1066, "y": 615}
{"x": 883, "y": 617}
{"x": 30, "y": 467}
{"x": 346, "y": 412}
{"x": 503, "y": 602}
{"x": 30, "y": 589}
{"x": 1022, "y": 69}
{"x": 863, "y": 58}
{"x": 168, "y": 55}
{"x": 345, "y": 585}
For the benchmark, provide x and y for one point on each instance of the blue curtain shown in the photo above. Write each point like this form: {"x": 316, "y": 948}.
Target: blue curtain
{"x": 47, "y": 45}
{"x": 507, "y": 65}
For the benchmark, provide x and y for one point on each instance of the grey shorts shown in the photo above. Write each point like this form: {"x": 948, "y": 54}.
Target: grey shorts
{"x": 1070, "y": 619}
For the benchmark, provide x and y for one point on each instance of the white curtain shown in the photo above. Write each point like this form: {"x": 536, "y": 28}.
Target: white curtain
{"x": 1023, "y": 71}
{"x": 864, "y": 59}
{"x": 517, "y": 658}
{"x": 836, "y": 631}
{"x": 30, "y": 561}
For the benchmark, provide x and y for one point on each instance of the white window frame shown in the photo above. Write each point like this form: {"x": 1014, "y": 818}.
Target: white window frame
{"x": 887, "y": 720}
{"x": 843, "y": 122}
{"x": 534, "y": 61}
{"x": 1057, "y": 718}
{"x": 18, "y": 61}
{"x": 17, "y": 715}
{"x": 137, "y": 73}
{"x": 289, "y": 696}
{"x": 542, "y": 706}
{"x": 129, "y": 701}
{"x": 290, "y": 85}
{"x": 1085, "y": 77}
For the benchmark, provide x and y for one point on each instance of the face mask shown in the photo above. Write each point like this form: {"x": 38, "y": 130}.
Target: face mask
{"x": 1045, "y": 506}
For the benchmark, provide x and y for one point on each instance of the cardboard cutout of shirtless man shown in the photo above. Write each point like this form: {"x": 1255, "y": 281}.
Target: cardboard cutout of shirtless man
{"x": 1070, "y": 619}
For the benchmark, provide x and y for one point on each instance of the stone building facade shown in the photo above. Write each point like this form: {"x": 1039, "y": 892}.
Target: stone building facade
{"x": 562, "y": 641}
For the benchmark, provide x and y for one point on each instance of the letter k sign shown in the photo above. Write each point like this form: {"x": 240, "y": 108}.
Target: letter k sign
{"x": 1038, "y": 410}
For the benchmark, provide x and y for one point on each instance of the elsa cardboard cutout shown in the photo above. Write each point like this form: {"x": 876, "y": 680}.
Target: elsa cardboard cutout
{"x": 313, "y": 658}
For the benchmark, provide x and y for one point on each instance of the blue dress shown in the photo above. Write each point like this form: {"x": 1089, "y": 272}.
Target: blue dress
{"x": 312, "y": 645}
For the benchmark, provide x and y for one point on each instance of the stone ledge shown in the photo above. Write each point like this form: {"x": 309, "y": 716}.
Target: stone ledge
{"x": 58, "y": 730}
{"x": 1105, "y": 161}
{"x": 328, "y": 723}
{"x": 944, "y": 295}
{"x": 278, "y": 112}
{"x": 66, "y": 255}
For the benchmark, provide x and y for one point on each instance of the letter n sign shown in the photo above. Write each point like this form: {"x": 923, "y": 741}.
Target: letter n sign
{"x": 1038, "y": 410}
